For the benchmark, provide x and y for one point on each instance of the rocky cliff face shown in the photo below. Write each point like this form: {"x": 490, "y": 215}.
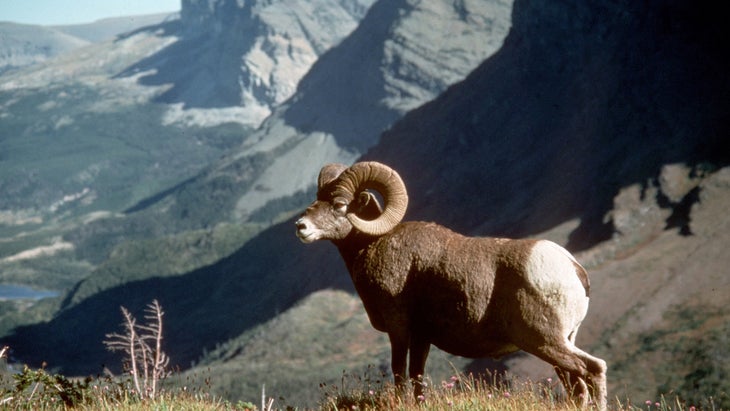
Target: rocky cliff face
{"x": 403, "y": 54}
{"x": 248, "y": 55}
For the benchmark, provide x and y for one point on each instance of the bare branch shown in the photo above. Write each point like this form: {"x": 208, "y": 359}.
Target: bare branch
{"x": 145, "y": 362}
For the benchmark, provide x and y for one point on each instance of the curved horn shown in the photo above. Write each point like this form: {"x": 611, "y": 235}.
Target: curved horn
{"x": 383, "y": 179}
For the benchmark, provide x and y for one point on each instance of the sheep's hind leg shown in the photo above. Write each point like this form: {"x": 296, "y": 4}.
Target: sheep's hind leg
{"x": 573, "y": 385}
{"x": 581, "y": 367}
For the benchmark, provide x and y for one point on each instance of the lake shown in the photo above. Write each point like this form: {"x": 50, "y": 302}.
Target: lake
{"x": 21, "y": 292}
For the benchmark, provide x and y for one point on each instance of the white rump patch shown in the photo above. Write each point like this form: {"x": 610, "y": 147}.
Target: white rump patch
{"x": 551, "y": 269}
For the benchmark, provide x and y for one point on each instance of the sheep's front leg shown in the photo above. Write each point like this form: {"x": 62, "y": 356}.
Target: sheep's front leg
{"x": 398, "y": 357}
{"x": 419, "y": 348}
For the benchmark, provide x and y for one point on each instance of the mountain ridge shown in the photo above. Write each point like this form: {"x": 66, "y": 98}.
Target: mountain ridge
{"x": 108, "y": 28}
{"x": 25, "y": 44}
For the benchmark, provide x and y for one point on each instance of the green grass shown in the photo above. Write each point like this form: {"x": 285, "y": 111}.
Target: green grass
{"x": 39, "y": 390}
{"x": 466, "y": 393}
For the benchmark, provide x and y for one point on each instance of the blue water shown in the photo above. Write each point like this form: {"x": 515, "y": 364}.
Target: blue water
{"x": 21, "y": 292}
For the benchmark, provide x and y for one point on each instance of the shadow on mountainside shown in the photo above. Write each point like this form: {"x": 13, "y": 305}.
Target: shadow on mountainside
{"x": 203, "y": 308}
{"x": 342, "y": 94}
{"x": 578, "y": 103}
{"x": 170, "y": 27}
{"x": 202, "y": 69}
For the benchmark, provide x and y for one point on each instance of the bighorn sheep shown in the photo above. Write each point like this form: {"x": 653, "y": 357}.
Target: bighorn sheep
{"x": 423, "y": 284}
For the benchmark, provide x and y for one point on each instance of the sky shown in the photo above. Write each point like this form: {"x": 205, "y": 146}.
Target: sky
{"x": 60, "y": 12}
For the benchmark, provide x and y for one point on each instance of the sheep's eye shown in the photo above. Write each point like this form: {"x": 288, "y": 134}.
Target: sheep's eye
{"x": 340, "y": 206}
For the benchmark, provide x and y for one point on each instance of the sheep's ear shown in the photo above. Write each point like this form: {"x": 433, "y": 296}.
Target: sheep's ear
{"x": 329, "y": 173}
{"x": 366, "y": 206}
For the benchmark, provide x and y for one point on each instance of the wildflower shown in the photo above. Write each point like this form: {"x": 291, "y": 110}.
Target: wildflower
{"x": 421, "y": 398}
{"x": 507, "y": 394}
{"x": 371, "y": 392}
{"x": 549, "y": 380}
{"x": 656, "y": 404}
{"x": 648, "y": 402}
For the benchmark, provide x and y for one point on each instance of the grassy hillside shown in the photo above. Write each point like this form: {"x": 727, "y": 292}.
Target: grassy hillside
{"x": 55, "y": 145}
{"x": 98, "y": 166}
